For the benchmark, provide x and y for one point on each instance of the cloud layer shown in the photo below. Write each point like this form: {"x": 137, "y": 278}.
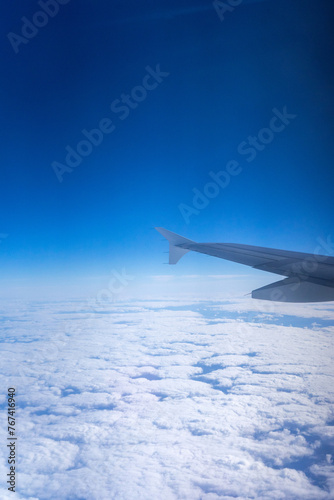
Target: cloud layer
{"x": 162, "y": 399}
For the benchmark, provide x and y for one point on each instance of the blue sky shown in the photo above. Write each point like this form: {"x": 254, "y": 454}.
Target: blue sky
{"x": 224, "y": 79}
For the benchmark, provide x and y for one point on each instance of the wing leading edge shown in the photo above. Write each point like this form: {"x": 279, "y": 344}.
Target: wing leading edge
{"x": 309, "y": 278}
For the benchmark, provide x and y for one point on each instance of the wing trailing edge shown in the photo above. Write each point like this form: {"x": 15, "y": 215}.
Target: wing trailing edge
{"x": 294, "y": 290}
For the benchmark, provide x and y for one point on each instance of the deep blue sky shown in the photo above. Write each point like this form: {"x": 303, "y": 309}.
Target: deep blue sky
{"x": 225, "y": 77}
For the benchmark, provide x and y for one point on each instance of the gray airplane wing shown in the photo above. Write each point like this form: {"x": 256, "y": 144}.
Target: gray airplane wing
{"x": 309, "y": 278}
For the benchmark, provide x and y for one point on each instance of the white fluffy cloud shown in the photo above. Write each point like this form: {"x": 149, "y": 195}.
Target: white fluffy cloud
{"x": 173, "y": 400}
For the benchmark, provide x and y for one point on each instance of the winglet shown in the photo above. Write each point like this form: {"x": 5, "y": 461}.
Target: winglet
{"x": 176, "y": 251}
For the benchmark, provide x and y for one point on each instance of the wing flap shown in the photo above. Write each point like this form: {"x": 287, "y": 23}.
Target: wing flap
{"x": 294, "y": 290}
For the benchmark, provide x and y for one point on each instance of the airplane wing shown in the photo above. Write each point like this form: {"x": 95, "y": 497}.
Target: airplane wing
{"x": 309, "y": 278}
